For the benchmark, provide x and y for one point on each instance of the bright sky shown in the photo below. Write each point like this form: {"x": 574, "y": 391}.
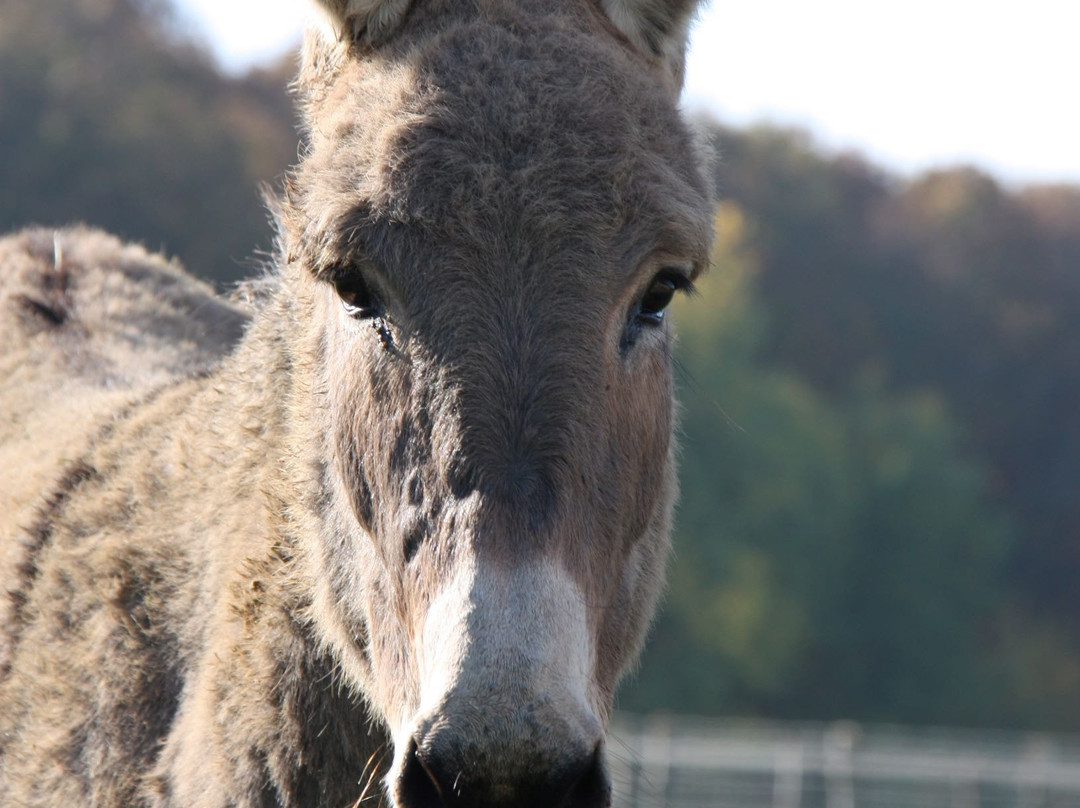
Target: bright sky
{"x": 912, "y": 85}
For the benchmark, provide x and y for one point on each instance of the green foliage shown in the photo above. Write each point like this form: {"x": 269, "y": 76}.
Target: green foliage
{"x": 949, "y": 283}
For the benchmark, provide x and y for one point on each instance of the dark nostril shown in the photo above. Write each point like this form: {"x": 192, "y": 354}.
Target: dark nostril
{"x": 589, "y": 787}
{"x": 431, "y": 780}
{"x": 417, "y": 788}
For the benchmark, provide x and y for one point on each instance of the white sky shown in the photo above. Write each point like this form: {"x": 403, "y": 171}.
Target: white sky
{"x": 912, "y": 85}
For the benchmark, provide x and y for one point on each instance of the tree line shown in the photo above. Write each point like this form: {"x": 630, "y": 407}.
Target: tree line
{"x": 880, "y": 516}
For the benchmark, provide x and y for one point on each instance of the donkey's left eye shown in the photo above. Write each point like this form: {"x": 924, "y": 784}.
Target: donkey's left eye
{"x": 357, "y": 297}
{"x": 659, "y": 295}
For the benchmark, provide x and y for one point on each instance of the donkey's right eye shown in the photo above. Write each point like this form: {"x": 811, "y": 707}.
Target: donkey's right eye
{"x": 357, "y": 297}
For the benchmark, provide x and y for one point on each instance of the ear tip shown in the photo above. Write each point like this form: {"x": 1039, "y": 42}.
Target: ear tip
{"x": 654, "y": 24}
{"x": 366, "y": 22}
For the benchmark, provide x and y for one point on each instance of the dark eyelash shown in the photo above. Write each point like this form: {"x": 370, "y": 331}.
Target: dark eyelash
{"x": 684, "y": 284}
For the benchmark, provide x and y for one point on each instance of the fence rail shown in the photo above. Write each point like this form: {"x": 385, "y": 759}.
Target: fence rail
{"x": 683, "y": 763}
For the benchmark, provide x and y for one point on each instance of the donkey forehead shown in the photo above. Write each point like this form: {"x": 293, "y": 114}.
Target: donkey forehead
{"x": 506, "y": 145}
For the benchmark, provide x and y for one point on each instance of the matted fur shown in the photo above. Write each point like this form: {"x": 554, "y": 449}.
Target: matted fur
{"x": 289, "y": 554}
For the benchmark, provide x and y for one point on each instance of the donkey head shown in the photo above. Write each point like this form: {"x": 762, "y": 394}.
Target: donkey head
{"x": 496, "y": 204}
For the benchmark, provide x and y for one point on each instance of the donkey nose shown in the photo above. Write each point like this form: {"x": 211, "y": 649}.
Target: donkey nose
{"x": 439, "y": 777}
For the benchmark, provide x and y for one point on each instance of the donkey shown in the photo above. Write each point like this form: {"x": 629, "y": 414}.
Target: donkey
{"x": 391, "y": 525}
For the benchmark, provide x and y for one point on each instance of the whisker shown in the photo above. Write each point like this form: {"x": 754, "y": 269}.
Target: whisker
{"x": 691, "y": 382}
{"x": 371, "y": 770}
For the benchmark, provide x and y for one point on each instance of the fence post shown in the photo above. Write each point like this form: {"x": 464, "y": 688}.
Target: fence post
{"x": 965, "y": 791}
{"x": 1032, "y": 773}
{"x": 658, "y": 738}
{"x": 787, "y": 777}
{"x": 839, "y": 743}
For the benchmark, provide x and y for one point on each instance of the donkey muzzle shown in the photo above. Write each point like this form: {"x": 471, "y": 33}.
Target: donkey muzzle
{"x": 505, "y": 717}
{"x": 442, "y": 771}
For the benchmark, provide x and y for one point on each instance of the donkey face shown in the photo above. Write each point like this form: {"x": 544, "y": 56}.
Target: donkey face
{"x": 497, "y": 203}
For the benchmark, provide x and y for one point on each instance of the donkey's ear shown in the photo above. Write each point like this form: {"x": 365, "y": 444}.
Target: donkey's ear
{"x": 659, "y": 28}
{"x": 367, "y": 22}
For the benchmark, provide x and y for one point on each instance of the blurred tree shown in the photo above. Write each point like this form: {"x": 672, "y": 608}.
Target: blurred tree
{"x": 923, "y": 585}
{"x": 108, "y": 116}
{"x": 947, "y": 283}
{"x": 999, "y": 332}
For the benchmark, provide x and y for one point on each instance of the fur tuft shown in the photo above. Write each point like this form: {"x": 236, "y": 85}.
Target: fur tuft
{"x": 659, "y": 28}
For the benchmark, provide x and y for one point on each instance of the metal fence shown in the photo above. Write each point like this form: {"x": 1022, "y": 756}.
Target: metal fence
{"x": 683, "y": 763}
